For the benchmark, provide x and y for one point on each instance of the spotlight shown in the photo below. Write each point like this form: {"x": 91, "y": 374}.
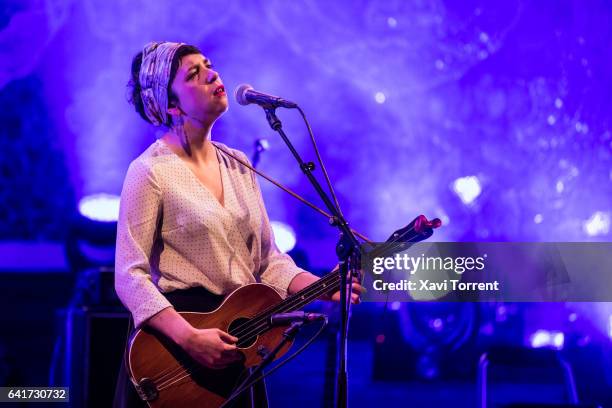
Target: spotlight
{"x": 90, "y": 242}
{"x": 467, "y": 188}
{"x": 558, "y": 340}
{"x": 284, "y": 236}
{"x": 597, "y": 224}
{"x": 545, "y": 338}
{"x": 100, "y": 207}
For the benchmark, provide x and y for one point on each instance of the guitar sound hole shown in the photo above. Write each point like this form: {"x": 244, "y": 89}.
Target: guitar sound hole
{"x": 246, "y": 337}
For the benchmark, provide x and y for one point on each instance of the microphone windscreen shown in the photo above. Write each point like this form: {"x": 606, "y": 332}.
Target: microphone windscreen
{"x": 240, "y": 93}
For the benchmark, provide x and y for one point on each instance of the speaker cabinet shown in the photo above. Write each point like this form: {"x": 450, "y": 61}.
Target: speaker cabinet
{"x": 95, "y": 342}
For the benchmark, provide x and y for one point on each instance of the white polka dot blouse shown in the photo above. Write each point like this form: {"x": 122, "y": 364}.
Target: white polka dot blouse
{"x": 173, "y": 233}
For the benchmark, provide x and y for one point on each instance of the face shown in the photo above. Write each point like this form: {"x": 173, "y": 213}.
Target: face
{"x": 200, "y": 92}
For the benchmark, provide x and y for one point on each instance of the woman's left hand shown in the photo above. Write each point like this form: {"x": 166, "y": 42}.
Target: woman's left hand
{"x": 303, "y": 280}
{"x": 356, "y": 292}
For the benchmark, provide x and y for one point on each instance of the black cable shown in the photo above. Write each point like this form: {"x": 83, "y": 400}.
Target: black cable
{"x": 261, "y": 377}
{"x": 323, "y": 169}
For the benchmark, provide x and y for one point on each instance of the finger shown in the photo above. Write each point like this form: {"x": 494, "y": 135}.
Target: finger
{"x": 229, "y": 347}
{"x": 226, "y": 337}
{"x": 357, "y": 288}
{"x": 355, "y": 297}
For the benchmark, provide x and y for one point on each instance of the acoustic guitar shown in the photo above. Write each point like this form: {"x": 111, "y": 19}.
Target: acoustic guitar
{"x": 166, "y": 376}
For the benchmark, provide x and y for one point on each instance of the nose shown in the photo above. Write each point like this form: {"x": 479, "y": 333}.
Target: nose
{"x": 212, "y": 76}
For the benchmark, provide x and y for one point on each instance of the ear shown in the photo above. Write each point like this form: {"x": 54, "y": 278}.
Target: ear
{"x": 174, "y": 110}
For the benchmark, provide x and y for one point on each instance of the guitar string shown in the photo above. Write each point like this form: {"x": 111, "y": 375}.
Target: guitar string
{"x": 295, "y": 195}
{"x": 187, "y": 372}
{"x": 177, "y": 371}
{"x": 253, "y": 332}
{"x": 167, "y": 372}
{"x": 171, "y": 370}
{"x": 246, "y": 337}
{"x": 174, "y": 370}
{"x": 240, "y": 330}
{"x": 259, "y": 328}
{"x": 265, "y": 314}
{"x": 326, "y": 285}
{"x": 181, "y": 373}
{"x": 170, "y": 373}
{"x": 243, "y": 333}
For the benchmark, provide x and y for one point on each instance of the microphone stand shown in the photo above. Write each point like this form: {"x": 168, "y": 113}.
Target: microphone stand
{"x": 347, "y": 250}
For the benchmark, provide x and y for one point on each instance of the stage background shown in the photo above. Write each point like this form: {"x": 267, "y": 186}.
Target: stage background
{"x": 493, "y": 116}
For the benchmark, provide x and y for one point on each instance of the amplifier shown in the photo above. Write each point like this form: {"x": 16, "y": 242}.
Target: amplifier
{"x": 94, "y": 345}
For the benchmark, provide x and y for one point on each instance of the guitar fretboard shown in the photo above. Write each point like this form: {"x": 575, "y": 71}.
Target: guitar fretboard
{"x": 330, "y": 283}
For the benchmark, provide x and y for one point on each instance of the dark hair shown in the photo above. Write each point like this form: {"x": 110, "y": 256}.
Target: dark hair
{"x": 134, "y": 83}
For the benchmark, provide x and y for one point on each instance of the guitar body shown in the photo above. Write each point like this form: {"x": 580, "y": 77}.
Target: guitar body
{"x": 167, "y": 377}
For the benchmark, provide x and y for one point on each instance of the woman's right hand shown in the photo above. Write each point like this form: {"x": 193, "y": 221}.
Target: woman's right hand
{"x": 212, "y": 348}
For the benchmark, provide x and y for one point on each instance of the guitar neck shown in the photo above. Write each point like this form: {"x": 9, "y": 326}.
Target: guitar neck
{"x": 419, "y": 229}
{"x": 328, "y": 284}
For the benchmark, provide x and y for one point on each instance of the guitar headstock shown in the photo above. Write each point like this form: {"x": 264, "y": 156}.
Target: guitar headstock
{"x": 418, "y": 230}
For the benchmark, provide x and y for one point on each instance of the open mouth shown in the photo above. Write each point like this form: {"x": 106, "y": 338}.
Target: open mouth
{"x": 219, "y": 91}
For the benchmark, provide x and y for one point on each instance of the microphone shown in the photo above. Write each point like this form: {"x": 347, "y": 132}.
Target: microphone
{"x": 245, "y": 94}
{"x": 282, "y": 319}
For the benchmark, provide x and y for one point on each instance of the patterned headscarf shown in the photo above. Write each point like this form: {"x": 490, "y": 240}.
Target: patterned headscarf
{"x": 154, "y": 76}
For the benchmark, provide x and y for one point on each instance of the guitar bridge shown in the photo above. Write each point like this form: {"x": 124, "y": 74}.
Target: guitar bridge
{"x": 147, "y": 390}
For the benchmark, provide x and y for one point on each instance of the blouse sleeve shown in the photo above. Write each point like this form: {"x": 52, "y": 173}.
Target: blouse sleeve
{"x": 139, "y": 212}
{"x": 277, "y": 269}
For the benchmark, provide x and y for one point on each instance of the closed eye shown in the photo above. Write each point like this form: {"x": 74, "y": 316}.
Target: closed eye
{"x": 196, "y": 71}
